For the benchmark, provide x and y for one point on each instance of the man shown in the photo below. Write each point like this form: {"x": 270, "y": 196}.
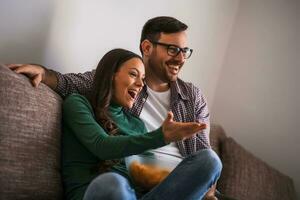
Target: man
{"x": 164, "y": 49}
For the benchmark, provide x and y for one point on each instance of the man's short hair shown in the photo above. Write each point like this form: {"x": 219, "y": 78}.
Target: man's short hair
{"x": 163, "y": 24}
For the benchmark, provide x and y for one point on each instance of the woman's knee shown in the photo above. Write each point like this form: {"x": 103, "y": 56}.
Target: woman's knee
{"x": 114, "y": 179}
{"x": 111, "y": 179}
{"x": 110, "y": 185}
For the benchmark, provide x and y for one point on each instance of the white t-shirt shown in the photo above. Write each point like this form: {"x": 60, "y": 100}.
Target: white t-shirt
{"x": 153, "y": 114}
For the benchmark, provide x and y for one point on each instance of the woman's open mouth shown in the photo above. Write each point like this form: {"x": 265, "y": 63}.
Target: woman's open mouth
{"x": 132, "y": 93}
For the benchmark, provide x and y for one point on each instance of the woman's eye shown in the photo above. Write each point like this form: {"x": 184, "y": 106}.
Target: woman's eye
{"x": 133, "y": 74}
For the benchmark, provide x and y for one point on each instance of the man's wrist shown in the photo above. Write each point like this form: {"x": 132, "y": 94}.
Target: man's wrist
{"x": 50, "y": 78}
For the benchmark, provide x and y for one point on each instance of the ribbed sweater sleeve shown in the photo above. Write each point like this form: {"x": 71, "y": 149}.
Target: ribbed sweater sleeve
{"x": 78, "y": 119}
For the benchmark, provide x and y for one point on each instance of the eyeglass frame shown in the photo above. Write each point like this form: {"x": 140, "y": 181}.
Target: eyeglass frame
{"x": 183, "y": 50}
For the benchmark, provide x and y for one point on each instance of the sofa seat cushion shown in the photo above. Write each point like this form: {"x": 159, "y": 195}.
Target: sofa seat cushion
{"x": 244, "y": 176}
{"x": 30, "y": 132}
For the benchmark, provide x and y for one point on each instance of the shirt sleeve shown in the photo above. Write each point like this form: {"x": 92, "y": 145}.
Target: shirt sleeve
{"x": 79, "y": 120}
{"x": 80, "y": 83}
{"x": 202, "y": 115}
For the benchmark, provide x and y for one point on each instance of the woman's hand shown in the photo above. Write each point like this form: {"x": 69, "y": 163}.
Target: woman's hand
{"x": 176, "y": 131}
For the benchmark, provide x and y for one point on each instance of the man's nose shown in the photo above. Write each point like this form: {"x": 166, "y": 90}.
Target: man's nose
{"x": 180, "y": 57}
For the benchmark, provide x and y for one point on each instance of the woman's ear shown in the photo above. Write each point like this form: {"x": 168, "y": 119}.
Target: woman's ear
{"x": 146, "y": 47}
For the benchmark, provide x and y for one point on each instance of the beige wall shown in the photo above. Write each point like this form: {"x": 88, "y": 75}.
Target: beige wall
{"x": 257, "y": 96}
{"x": 24, "y": 30}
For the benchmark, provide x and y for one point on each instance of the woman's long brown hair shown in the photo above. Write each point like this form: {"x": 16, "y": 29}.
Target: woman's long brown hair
{"x": 102, "y": 90}
{"x": 102, "y": 93}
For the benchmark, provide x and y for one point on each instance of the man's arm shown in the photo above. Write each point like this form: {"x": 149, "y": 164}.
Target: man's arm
{"x": 63, "y": 84}
{"x": 202, "y": 115}
{"x": 36, "y": 73}
{"x": 81, "y": 83}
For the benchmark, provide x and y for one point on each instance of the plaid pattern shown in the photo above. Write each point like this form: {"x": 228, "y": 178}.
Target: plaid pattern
{"x": 187, "y": 104}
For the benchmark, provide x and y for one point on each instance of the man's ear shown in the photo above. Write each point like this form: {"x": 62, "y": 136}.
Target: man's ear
{"x": 147, "y": 47}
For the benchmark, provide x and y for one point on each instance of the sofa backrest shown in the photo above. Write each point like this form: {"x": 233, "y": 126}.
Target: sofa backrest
{"x": 30, "y": 133}
{"x": 216, "y": 137}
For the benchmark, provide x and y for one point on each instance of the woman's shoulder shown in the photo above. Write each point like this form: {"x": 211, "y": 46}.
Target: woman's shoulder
{"x": 76, "y": 100}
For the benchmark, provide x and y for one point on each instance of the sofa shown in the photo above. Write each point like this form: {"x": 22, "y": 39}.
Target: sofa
{"x": 30, "y": 135}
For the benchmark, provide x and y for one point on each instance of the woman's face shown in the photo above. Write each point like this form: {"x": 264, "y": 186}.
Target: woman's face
{"x": 128, "y": 82}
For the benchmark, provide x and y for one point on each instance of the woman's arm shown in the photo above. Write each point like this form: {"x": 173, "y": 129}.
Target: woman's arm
{"x": 78, "y": 118}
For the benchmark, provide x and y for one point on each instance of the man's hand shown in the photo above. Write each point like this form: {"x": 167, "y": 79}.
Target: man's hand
{"x": 175, "y": 131}
{"x": 36, "y": 73}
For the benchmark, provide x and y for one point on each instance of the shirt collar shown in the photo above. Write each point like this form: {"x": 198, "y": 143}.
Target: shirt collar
{"x": 176, "y": 91}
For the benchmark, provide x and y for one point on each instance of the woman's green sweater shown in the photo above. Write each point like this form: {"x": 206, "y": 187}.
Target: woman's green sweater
{"x": 85, "y": 143}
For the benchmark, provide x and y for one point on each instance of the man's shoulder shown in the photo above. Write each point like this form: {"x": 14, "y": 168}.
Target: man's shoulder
{"x": 187, "y": 88}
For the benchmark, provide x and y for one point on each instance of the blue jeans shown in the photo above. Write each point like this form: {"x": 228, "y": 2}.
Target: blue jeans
{"x": 190, "y": 180}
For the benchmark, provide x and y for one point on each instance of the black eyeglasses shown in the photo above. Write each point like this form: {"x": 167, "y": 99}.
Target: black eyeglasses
{"x": 174, "y": 50}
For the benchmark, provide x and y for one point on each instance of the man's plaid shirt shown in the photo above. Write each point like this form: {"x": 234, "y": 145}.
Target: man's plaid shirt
{"x": 187, "y": 105}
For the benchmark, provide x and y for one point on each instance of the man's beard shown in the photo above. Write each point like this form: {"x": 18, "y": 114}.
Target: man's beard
{"x": 160, "y": 73}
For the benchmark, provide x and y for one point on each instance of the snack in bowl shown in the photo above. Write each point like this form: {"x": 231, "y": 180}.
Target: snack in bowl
{"x": 148, "y": 171}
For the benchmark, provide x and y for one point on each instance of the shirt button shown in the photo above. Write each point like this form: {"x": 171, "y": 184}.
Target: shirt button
{"x": 144, "y": 99}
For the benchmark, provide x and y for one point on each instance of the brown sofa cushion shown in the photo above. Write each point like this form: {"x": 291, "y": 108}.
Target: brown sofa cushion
{"x": 247, "y": 177}
{"x": 30, "y": 131}
{"x": 216, "y": 137}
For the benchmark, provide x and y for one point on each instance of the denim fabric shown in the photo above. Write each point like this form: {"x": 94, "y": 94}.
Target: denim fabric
{"x": 110, "y": 186}
{"x": 190, "y": 180}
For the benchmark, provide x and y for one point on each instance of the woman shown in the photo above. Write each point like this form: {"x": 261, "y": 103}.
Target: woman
{"x": 97, "y": 130}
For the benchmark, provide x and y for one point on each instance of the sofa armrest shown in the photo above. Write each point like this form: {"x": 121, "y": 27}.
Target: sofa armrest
{"x": 30, "y": 138}
{"x": 244, "y": 176}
